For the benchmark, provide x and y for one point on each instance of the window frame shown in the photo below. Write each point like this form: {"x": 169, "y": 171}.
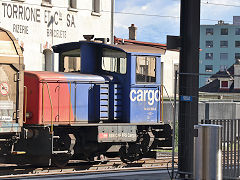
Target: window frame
{"x": 210, "y": 45}
{"x": 237, "y": 31}
{"x": 221, "y": 84}
{"x": 73, "y": 62}
{"x": 222, "y": 55}
{"x": 206, "y": 57}
{"x": 118, "y": 64}
{"x": 236, "y": 44}
{"x": 208, "y": 69}
{"x": 96, "y": 8}
{"x": 144, "y": 75}
{"x": 47, "y": 3}
{"x": 72, "y": 7}
{"x": 237, "y": 55}
{"x": 223, "y": 46}
{"x": 209, "y": 31}
{"x": 222, "y": 31}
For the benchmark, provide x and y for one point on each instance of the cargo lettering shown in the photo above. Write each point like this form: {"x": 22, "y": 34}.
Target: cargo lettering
{"x": 145, "y": 95}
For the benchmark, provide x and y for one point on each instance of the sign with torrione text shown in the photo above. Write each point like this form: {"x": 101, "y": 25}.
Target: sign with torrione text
{"x": 55, "y": 21}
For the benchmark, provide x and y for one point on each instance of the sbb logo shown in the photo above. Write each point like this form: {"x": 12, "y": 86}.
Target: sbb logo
{"x": 145, "y": 95}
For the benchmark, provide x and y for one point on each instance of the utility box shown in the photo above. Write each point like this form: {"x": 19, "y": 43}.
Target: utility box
{"x": 207, "y": 152}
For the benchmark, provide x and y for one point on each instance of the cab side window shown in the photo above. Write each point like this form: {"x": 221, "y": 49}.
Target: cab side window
{"x": 112, "y": 64}
{"x": 70, "y": 61}
{"x": 145, "y": 69}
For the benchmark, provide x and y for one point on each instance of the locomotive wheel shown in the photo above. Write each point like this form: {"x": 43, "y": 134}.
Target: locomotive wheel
{"x": 133, "y": 152}
{"x": 130, "y": 153}
{"x": 60, "y": 160}
{"x": 63, "y": 142}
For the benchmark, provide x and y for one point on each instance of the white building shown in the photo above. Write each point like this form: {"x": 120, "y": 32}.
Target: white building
{"x": 39, "y": 24}
{"x": 170, "y": 64}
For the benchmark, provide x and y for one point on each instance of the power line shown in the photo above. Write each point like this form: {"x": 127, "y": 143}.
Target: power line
{"x": 142, "y": 14}
{"x": 219, "y": 4}
{"x": 161, "y": 16}
{"x": 139, "y": 14}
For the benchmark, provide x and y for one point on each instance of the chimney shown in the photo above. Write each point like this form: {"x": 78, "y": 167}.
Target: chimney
{"x": 132, "y": 32}
{"x": 237, "y": 74}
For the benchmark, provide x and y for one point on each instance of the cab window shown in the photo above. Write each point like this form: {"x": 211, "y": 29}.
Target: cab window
{"x": 72, "y": 61}
{"x": 114, "y": 61}
{"x": 145, "y": 69}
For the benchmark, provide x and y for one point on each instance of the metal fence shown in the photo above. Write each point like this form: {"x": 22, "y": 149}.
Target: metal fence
{"x": 218, "y": 101}
{"x": 230, "y": 134}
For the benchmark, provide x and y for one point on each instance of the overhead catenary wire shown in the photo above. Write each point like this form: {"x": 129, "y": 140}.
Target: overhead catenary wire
{"x": 220, "y": 4}
{"x": 131, "y": 13}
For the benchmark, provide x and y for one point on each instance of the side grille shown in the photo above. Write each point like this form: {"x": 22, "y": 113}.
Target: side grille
{"x": 104, "y": 102}
{"x": 118, "y": 101}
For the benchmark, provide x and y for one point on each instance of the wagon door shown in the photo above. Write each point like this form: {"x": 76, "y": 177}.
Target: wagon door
{"x": 9, "y": 105}
{"x": 11, "y": 83}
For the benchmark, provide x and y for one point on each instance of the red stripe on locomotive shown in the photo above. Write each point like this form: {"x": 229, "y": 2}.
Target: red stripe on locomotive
{"x": 39, "y": 86}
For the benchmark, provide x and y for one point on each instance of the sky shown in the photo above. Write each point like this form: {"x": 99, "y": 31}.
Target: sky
{"x": 155, "y": 19}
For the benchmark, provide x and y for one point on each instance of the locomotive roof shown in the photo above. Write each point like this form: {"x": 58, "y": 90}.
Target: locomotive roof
{"x": 63, "y": 76}
{"x": 77, "y": 45}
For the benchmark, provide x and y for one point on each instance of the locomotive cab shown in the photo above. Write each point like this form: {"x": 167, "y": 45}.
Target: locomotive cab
{"x": 132, "y": 79}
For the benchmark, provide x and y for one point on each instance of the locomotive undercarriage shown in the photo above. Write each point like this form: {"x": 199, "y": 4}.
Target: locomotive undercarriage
{"x": 43, "y": 147}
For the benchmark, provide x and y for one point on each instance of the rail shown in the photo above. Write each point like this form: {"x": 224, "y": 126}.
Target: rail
{"x": 79, "y": 166}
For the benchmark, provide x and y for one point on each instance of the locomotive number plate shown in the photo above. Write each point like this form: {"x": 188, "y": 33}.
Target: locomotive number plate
{"x": 117, "y": 133}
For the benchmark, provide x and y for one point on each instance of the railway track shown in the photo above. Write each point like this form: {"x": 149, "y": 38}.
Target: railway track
{"x": 113, "y": 164}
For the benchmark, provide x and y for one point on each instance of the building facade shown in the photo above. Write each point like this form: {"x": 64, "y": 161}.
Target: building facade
{"x": 220, "y": 47}
{"x": 40, "y": 24}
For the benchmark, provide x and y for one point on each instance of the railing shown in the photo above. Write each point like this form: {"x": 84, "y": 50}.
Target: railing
{"x": 71, "y": 83}
{"x": 51, "y": 130}
{"x": 230, "y": 134}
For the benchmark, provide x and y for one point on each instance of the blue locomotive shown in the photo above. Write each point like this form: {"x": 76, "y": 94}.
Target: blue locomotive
{"x": 103, "y": 102}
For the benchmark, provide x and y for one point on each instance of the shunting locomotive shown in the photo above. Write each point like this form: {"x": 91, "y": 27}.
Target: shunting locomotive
{"x": 104, "y": 101}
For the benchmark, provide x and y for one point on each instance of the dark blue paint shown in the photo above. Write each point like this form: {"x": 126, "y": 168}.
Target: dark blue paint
{"x": 119, "y": 107}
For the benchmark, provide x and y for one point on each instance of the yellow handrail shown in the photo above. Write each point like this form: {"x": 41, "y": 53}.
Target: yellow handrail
{"x": 162, "y": 103}
{"x": 42, "y": 102}
{"x": 25, "y": 102}
{"x": 70, "y": 103}
{"x": 51, "y": 131}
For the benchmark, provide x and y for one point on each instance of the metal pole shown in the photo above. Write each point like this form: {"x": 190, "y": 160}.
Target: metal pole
{"x": 207, "y": 152}
{"x": 112, "y": 21}
{"x": 174, "y": 122}
{"x": 188, "y": 84}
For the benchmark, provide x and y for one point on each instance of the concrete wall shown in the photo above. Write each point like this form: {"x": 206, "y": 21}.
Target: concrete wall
{"x": 32, "y": 23}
